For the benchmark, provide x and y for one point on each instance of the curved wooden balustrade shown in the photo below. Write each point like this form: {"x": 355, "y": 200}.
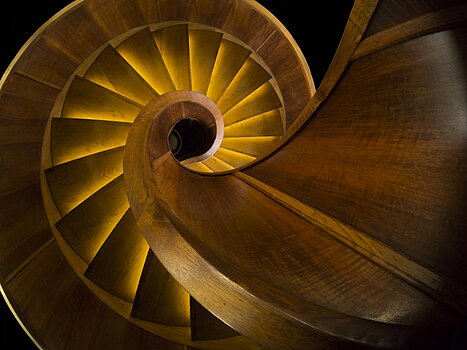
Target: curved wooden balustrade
{"x": 350, "y": 234}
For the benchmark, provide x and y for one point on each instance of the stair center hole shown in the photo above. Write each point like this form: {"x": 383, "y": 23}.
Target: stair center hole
{"x": 190, "y": 137}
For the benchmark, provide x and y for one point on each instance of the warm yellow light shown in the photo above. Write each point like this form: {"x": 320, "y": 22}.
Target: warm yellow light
{"x": 262, "y": 100}
{"x": 87, "y": 100}
{"x": 252, "y": 146}
{"x": 265, "y": 124}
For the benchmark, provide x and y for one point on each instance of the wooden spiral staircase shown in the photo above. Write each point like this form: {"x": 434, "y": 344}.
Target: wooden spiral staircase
{"x": 327, "y": 219}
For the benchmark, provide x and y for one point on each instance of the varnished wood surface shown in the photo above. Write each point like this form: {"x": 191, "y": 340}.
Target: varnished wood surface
{"x": 160, "y": 298}
{"x": 173, "y": 44}
{"x": 206, "y": 326}
{"x": 425, "y": 24}
{"x": 24, "y": 227}
{"x": 397, "y": 171}
{"x": 88, "y": 225}
{"x": 440, "y": 288}
{"x": 118, "y": 265}
{"x": 113, "y": 72}
{"x": 53, "y": 68}
{"x": 142, "y": 53}
{"x": 358, "y": 21}
{"x": 391, "y": 13}
{"x": 62, "y": 302}
{"x": 73, "y": 182}
{"x": 74, "y": 139}
{"x": 231, "y": 242}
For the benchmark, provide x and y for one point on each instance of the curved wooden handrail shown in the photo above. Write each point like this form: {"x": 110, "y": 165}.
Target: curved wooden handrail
{"x": 207, "y": 243}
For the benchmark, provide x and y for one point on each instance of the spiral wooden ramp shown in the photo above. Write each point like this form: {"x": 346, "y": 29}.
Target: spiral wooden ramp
{"x": 332, "y": 219}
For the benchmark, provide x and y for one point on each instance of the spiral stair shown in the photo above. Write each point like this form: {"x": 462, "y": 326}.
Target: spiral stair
{"x": 312, "y": 219}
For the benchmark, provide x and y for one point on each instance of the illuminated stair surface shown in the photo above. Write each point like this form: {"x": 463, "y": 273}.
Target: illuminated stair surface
{"x": 185, "y": 187}
{"x": 88, "y": 143}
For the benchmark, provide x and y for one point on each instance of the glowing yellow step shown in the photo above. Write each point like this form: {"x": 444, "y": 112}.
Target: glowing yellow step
{"x": 173, "y": 45}
{"x": 235, "y": 159}
{"x": 204, "y": 46}
{"x": 77, "y": 138}
{"x": 73, "y": 182}
{"x": 160, "y": 298}
{"x": 113, "y": 72}
{"x": 142, "y": 53}
{"x": 199, "y": 167}
{"x": 87, "y": 226}
{"x": 215, "y": 164}
{"x": 253, "y": 146}
{"x": 265, "y": 124}
{"x": 230, "y": 59}
{"x": 118, "y": 265}
{"x": 88, "y": 100}
{"x": 262, "y": 100}
{"x": 250, "y": 77}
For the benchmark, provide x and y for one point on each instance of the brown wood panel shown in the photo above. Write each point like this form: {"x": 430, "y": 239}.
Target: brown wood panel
{"x": 73, "y": 182}
{"x": 23, "y": 227}
{"x": 47, "y": 295}
{"x": 211, "y": 12}
{"x": 206, "y": 326}
{"x": 20, "y": 165}
{"x": 25, "y": 106}
{"x": 292, "y": 245}
{"x": 88, "y": 225}
{"x": 113, "y": 72}
{"x": 244, "y": 250}
{"x": 390, "y": 13}
{"x": 121, "y": 16}
{"x": 57, "y": 52}
{"x": 386, "y": 153}
{"x": 178, "y": 10}
{"x": 425, "y": 24}
{"x": 248, "y": 24}
{"x": 280, "y": 57}
{"x": 118, "y": 265}
{"x": 76, "y": 138}
{"x": 32, "y": 94}
{"x": 159, "y": 297}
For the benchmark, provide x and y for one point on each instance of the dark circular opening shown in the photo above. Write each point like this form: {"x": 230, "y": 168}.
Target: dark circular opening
{"x": 175, "y": 142}
{"x": 190, "y": 137}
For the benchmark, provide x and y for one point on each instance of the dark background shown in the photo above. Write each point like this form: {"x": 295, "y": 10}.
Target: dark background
{"x": 317, "y": 29}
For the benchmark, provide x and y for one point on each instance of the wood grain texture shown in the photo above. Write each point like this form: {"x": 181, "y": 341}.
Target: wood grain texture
{"x": 391, "y": 13}
{"x": 160, "y": 298}
{"x": 113, "y": 72}
{"x": 204, "y": 46}
{"x": 88, "y": 225}
{"x": 23, "y": 227}
{"x": 118, "y": 265}
{"x": 73, "y": 182}
{"x": 249, "y": 77}
{"x": 141, "y": 51}
{"x": 174, "y": 46}
{"x": 266, "y": 124}
{"x": 386, "y": 154}
{"x": 87, "y": 100}
{"x": 425, "y": 24}
{"x": 262, "y": 100}
{"x": 438, "y": 287}
{"x": 206, "y": 326}
{"x": 358, "y": 21}
{"x": 76, "y": 138}
{"x": 56, "y": 292}
{"x": 230, "y": 59}
{"x": 281, "y": 58}
{"x": 231, "y": 242}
